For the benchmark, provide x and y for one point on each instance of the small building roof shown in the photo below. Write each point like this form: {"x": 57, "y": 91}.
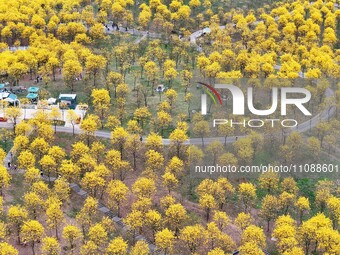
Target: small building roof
{"x": 11, "y": 98}
{"x": 33, "y": 90}
{"x": 32, "y": 96}
{"x": 67, "y": 96}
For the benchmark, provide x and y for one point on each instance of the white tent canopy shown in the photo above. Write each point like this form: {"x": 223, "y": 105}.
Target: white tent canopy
{"x": 51, "y": 100}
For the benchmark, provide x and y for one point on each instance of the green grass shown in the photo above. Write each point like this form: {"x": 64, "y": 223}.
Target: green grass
{"x": 72, "y": 213}
{"x": 188, "y": 186}
{"x": 6, "y": 146}
{"x": 18, "y": 190}
{"x": 264, "y": 157}
{"x": 193, "y": 218}
{"x": 65, "y": 140}
{"x": 9, "y": 143}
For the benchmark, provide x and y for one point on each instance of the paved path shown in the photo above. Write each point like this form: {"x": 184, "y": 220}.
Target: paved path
{"x": 132, "y": 31}
{"x": 8, "y": 158}
{"x": 140, "y": 39}
{"x": 303, "y": 127}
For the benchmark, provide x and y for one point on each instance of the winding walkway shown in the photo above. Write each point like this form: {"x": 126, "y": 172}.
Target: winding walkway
{"x": 303, "y": 127}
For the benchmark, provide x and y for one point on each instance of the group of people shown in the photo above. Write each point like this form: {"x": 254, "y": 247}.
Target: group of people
{"x": 14, "y": 167}
{"x": 38, "y": 79}
{"x": 107, "y": 28}
{"x": 114, "y": 26}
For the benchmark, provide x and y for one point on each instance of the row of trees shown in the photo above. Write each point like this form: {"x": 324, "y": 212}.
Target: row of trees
{"x": 249, "y": 49}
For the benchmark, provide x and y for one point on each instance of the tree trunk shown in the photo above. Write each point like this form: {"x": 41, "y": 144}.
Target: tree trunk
{"x": 18, "y": 233}
{"x": 33, "y": 248}
{"x": 268, "y": 223}
{"x": 134, "y": 161}
{"x": 14, "y": 125}
{"x": 94, "y": 79}
{"x": 152, "y": 88}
